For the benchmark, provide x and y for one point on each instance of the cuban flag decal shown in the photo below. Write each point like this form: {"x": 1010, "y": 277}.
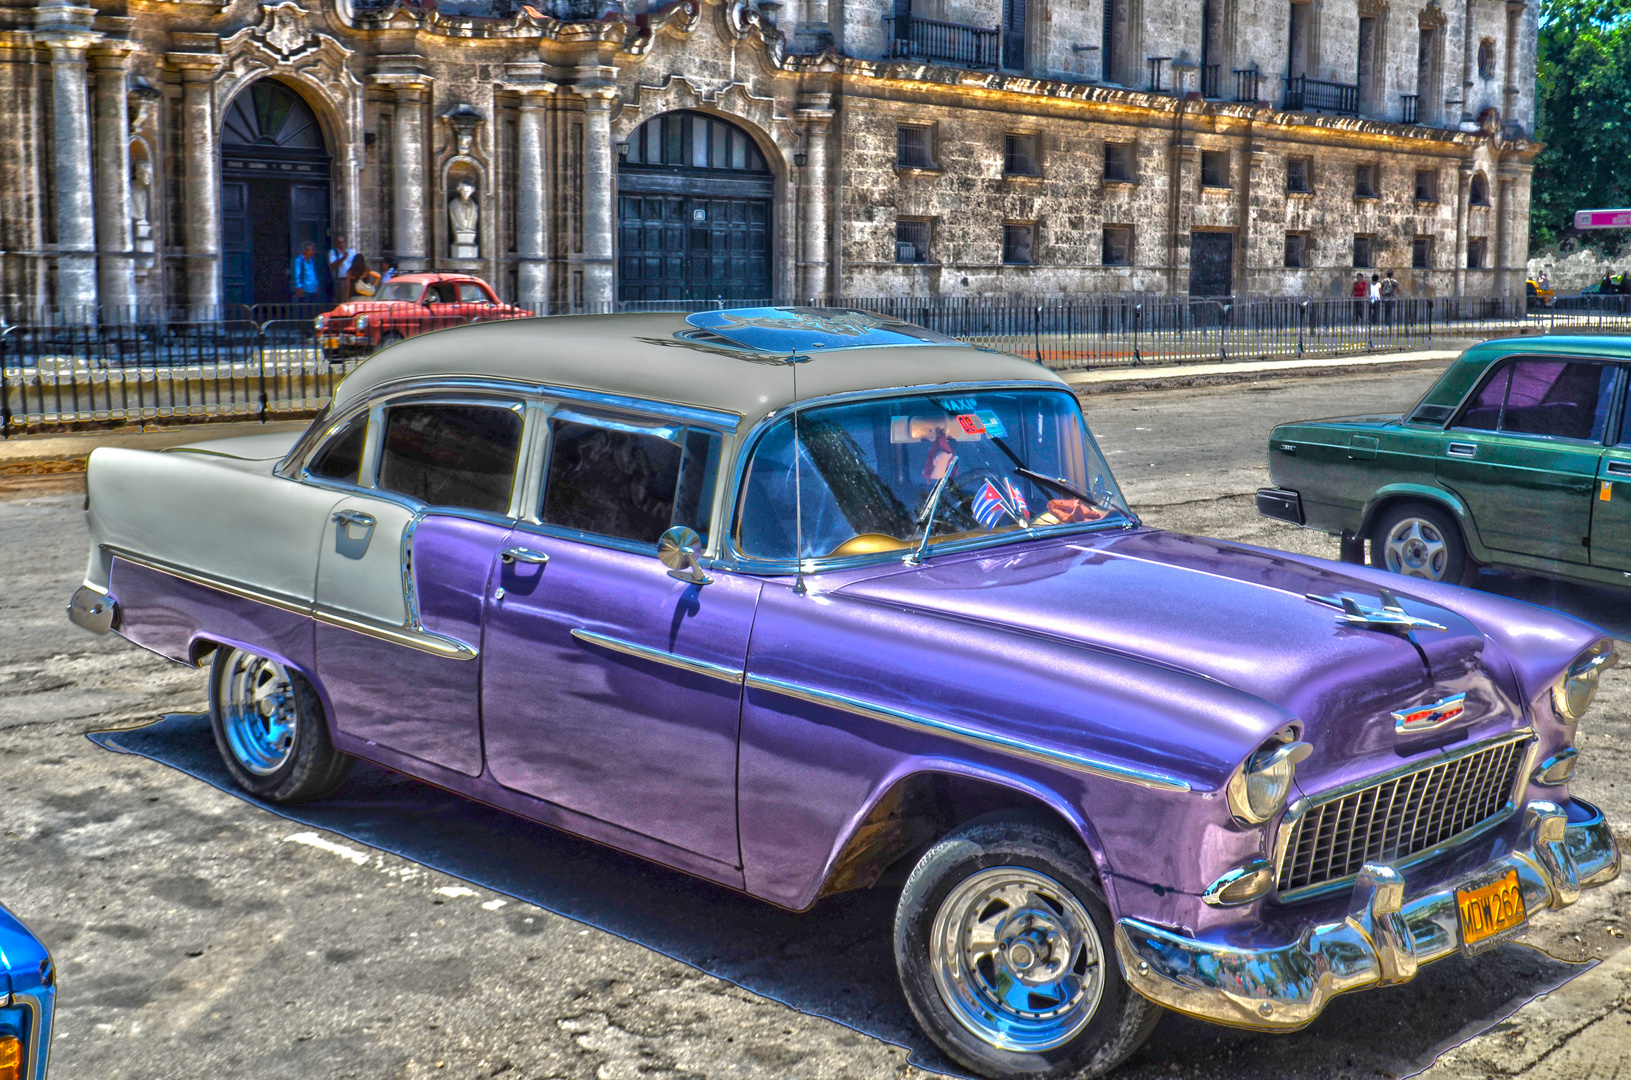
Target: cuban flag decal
{"x": 988, "y": 505}
{"x": 1016, "y": 502}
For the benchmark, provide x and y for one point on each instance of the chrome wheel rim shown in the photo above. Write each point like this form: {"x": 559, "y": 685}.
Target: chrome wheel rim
{"x": 1415, "y": 548}
{"x": 1017, "y": 959}
{"x": 258, "y": 714}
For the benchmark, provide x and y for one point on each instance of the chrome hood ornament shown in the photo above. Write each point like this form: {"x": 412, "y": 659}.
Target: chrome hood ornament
{"x": 1389, "y": 617}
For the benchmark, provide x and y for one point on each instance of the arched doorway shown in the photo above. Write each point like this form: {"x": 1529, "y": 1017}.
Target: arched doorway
{"x": 693, "y": 212}
{"x": 274, "y": 192}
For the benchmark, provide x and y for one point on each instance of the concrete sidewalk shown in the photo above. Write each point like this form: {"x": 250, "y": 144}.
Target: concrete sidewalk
{"x": 1162, "y": 376}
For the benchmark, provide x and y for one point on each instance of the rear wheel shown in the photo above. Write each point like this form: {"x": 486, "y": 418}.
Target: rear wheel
{"x": 1005, "y": 951}
{"x": 1421, "y": 541}
{"x": 269, "y": 727}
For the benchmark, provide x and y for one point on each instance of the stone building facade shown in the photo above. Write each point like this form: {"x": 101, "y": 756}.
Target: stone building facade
{"x": 175, "y": 153}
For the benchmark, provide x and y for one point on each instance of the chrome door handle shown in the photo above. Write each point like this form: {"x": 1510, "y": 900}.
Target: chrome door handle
{"x": 1618, "y": 468}
{"x": 523, "y": 554}
{"x": 354, "y": 517}
{"x": 1462, "y": 449}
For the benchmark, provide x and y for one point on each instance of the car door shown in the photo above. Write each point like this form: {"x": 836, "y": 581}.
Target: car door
{"x": 1523, "y": 454}
{"x": 442, "y": 308}
{"x": 610, "y": 687}
{"x": 475, "y": 304}
{"x": 1611, "y": 508}
{"x": 402, "y": 573}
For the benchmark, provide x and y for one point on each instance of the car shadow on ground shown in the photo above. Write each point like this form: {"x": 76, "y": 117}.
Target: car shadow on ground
{"x": 836, "y": 961}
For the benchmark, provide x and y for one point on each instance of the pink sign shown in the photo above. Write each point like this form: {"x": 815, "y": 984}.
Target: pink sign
{"x": 1602, "y": 219}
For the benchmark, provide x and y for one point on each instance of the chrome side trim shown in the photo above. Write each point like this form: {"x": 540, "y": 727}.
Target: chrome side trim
{"x": 1307, "y": 803}
{"x": 981, "y": 739}
{"x": 423, "y": 640}
{"x": 660, "y": 656}
{"x": 411, "y": 637}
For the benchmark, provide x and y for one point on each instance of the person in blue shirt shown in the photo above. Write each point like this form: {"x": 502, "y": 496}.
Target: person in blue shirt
{"x": 303, "y": 274}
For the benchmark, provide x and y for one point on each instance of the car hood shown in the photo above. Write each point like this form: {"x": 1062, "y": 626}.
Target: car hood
{"x": 364, "y": 307}
{"x": 1237, "y": 615}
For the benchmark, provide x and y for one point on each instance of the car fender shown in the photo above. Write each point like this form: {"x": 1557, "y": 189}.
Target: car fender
{"x": 927, "y": 767}
{"x": 1438, "y": 496}
{"x": 203, "y": 643}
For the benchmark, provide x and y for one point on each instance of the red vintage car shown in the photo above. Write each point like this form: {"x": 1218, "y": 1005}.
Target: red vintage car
{"x": 406, "y": 305}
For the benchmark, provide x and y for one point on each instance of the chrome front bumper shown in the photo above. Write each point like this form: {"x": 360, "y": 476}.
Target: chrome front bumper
{"x": 1383, "y": 939}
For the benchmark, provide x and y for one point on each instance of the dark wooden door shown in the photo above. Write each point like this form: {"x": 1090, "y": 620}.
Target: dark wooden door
{"x": 237, "y": 244}
{"x": 687, "y": 247}
{"x": 1211, "y": 264}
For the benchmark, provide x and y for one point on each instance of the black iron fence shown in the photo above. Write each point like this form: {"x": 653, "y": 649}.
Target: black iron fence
{"x": 275, "y": 361}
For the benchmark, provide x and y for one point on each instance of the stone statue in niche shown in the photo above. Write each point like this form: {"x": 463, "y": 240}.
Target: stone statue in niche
{"x": 464, "y": 216}
{"x": 141, "y": 203}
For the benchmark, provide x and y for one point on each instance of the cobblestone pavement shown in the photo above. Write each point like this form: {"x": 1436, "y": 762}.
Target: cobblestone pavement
{"x": 196, "y": 939}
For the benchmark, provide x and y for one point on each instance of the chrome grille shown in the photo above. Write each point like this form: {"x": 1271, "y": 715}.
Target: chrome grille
{"x": 1401, "y": 816}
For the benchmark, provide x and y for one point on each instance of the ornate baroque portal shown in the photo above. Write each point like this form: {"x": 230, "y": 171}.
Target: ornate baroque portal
{"x": 694, "y": 210}
{"x": 274, "y": 191}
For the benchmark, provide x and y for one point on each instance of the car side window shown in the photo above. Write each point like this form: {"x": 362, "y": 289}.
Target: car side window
{"x": 451, "y": 455}
{"x": 471, "y": 293}
{"x": 442, "y": 293}
{"x": 341, "y": 457}
{"x": 1563, "y": 399}
{"x": 1625, "y": 425}
{"x": 628, "y": 481}
{"x": 1483, "y": 412}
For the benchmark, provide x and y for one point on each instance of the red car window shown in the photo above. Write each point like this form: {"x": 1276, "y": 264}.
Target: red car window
{"x": 471, "y": 293}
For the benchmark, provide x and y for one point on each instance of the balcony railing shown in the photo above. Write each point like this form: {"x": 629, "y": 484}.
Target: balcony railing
{"x": 1407, "y": 111}
{"x": 1314, "y": 95}
{"x": 1211, "y": 78}
{"x": 914, "y": 38}
{"x": 1246, "y": 83}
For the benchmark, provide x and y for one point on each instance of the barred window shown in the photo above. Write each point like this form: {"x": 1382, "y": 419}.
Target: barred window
{"x": 1019, "y": 155}
{"x": 1296, "y": 250}
{"x": 1475, "y": 252}
{"x": 1421, "y": 253}
{"x": 1362, "y": 252}
{"x": 1426, "y": 185}
{"x": 1215, "y": 168}
{"x": 1364, "y": 181}
{"x": 1017, "y": 244}
{"x": 1298, "y": 171}
{"x": 912, "y": 147}
{"x": 911, "y": 240}
{"x": 1118, "y": 162}
{"x": 1118, "y": 245}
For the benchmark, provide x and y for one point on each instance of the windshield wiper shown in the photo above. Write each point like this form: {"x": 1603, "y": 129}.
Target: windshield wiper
{"x": 926, "y": 519}
{"x": 1057, "y": 483}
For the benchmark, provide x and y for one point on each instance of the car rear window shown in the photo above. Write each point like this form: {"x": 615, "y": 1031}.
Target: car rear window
{"x": 451, "y": 455}
{"x": 629, "y": 480}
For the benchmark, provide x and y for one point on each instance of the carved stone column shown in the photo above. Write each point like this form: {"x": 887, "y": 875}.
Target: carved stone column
{"x": 599, "y": 278}
{"x": 1507, "y": 230}
{"x": 412, "y": 251}
{"x": 1463, "y": 195}
{"x": 532, "y": 201}
{"x": 815, "y": 118}
{"x": 201, "y": 179}
{"x": 76, "y": 223}
{"x": 117, "y": 271}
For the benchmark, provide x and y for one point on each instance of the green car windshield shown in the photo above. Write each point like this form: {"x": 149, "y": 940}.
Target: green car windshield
{"x": 865, "y": 475}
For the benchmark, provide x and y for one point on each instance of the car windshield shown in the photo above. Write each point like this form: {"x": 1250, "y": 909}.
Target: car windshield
{"x": 399, "y": 290}
{"x": 865, "y": 474}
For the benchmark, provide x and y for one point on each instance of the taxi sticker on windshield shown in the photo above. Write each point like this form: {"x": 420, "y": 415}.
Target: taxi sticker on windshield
{"x": 970, "y": 424}
{"x": 981, "y": 422}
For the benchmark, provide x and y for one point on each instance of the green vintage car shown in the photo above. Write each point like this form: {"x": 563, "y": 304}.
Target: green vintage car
{"x": 1519, "y": 457}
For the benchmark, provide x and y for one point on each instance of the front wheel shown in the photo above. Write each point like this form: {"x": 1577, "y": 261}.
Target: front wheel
{"x": 1421, "y": 541}
{"x": 269, "y": 727}
{"x": 1004, "y": 946}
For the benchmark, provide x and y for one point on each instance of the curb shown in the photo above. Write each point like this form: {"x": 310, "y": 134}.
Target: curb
{"x": 1179, "y": 376}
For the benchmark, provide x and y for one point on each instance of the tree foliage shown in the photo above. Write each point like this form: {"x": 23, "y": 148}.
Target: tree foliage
{"x": 1583, "y": 113}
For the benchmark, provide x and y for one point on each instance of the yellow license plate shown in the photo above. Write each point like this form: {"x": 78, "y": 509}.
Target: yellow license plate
{"x": 1491, "y": 913}
{"x": 331, "y": 343}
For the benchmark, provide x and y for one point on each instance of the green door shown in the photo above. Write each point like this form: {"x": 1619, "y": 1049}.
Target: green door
{"x": 1611, "y": 509}
{"x": 1524, "y": 453}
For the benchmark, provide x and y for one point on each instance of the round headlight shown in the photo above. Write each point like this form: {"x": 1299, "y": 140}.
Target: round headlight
{"x": 1262, "y": 785}
{"x": 362, "y": 322}
{"x": 1572, "y": 695}
{"x": 320, "y": 321}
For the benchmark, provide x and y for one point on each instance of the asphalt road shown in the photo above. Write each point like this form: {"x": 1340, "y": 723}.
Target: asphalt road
{"x": 199, "y": 936}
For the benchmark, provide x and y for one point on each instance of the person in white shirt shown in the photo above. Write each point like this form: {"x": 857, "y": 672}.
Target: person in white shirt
{"x": 340, "y": 260}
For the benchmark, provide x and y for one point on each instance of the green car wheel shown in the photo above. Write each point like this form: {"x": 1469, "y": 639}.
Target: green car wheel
{"x": 1421, "y": 541}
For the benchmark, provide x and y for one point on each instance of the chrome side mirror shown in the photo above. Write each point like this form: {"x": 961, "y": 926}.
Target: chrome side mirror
{"x": 680, "y": 549}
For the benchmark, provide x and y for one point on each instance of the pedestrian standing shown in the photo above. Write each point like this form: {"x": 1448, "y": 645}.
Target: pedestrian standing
{"x": 1390, "y": 296}
{"x": 1359, "y": 294}
{"x": 390, "y": 271}
{"x": 342, "y": 262}
{"x": 1374, "y": 292}
{"x": 303, "y": 280}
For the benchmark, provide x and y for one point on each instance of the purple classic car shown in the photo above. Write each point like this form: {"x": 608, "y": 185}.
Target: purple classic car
{"x": 787, "y": 598}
